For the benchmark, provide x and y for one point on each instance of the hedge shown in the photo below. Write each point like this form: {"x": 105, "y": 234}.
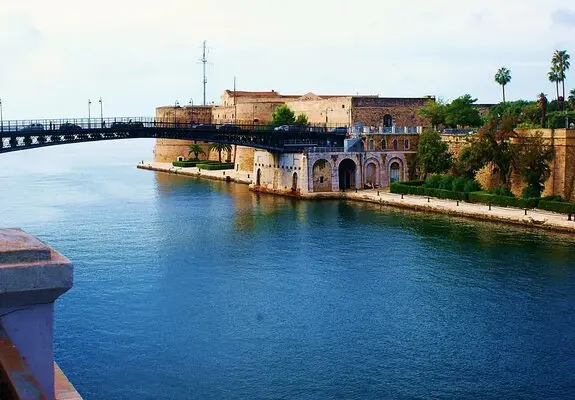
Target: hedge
{"x": 402, "y": 188}
{"x": 215, "y": 166}
{"x": 556, "y": 206}
{"x": 502, "y": 201}
{"x": 184, "y": 164}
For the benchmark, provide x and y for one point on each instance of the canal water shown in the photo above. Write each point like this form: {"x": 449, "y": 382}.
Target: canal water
{"x": 203, "y": 290}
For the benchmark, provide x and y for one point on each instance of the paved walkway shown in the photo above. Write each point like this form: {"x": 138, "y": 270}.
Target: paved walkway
{"x": 223, "y": 175}
{"x": 532, "y": 218}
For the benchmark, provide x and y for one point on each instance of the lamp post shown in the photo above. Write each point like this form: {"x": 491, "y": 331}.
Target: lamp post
{"x": 101, "y": 112}
{"x": 176, "y": 105}
{"x": 89, "y": 107}
{"x": 192, "y": 113}
{"x": 1, "y": 117}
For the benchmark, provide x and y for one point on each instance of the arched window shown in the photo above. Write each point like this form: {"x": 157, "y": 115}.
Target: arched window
{"x": 406, "y": 144}
{"x": 387, "y": 121}
{"x": 383, "y": 144}
{"x": 371, "y": 144}
{"x": 395, "y": 146}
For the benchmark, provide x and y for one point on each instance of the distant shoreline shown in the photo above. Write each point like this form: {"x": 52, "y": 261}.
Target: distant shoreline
{"x": 533, "y": 219}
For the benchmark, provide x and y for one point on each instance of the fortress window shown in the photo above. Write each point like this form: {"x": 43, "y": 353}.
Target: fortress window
{"x": 395, "y": 146}
{"x": 371, "y": 144}
{"x": 383, "y": 144}
{"x": 406, "y": 144}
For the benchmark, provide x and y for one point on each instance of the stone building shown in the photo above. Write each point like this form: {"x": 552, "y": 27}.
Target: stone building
{"x": 370, "y": 114}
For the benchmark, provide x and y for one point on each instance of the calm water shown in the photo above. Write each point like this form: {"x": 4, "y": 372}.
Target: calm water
{"x": 194, "y": 289}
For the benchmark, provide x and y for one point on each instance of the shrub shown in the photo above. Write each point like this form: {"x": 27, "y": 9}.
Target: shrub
{"x": 184, "y": 164}
{"x": 433, "y": 181}
{"x": 552, "y": 198}
{"x": 458, "y": 184}
{"x": 502, "y": 191}
{"x": 216, "y": 166}
{"x": 413, "y": 183}
{"x": 446, "y": 182}
{"x": 502, "y": 201}
{"x": 471, "y": 185}
{"x": 530, "y": 192}
{"x": 557, "y": 206}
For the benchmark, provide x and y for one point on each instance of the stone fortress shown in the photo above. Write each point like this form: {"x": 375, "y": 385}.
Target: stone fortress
{"x": 385, "y": 133}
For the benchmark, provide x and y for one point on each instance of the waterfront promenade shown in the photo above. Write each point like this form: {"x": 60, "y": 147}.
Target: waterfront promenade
{"x": 530, "y": 218}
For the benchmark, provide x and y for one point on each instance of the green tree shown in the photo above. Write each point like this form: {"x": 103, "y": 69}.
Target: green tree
{"x": 503, "y": 77}
{"x": 434, "y": 111}
{"x": 433, "y": 156}
{"x": 561, "y": 61}
{"x": 219, "y": 147}
{"x": 301, "y": 120}
{"x": 283, "y": 115}
{"x": 494, "y": 140}
{"x": 471, "y": 159}
{"x": 196, "y": 150}
{"x": 533, "y": 157}
{"x": 461, "y": 112}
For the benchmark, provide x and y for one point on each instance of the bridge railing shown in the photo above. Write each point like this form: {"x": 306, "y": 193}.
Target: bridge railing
{"x": 69, "y": 124}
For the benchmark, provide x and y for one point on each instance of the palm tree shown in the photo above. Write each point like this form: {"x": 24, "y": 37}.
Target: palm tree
{"x": 555, "y": 76}
{"x": 561, "y": 60}
{"x": 219, "y": 147}
{"x": 542, "y": 104}
{"x": 572, "y": 99}
{"x": 503, "y": 77}
{"x": 196, "y": 149}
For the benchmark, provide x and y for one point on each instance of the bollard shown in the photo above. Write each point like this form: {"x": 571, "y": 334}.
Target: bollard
{"x": 489, "y": 206}
{"x": 569, "y": 217}
{"x": 248, "y": 176}
{"x": 402, "y": 196}
{"x": 525, "y": 211}
{"x": 428, "y": 199}
{"x": 224, "y": 172}
{"x": 355, "y": 190}
{"x": 457, "y": 203}
{"x": 378, "y": 192}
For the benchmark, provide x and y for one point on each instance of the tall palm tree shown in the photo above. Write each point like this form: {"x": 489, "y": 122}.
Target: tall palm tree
{"x": 196, "y": 149}
{"x": 219, "y": 147}
{"x": 542, "y": 104}
{"x": 503, "y": 77}
{"x": 554, "y": 76}
{"x": 561, "y": 60}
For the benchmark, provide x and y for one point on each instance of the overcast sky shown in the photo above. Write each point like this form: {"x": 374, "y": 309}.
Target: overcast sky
{"x": 136, "y": 55}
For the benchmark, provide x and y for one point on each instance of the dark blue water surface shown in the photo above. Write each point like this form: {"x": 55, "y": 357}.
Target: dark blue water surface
{"x": 197, "y": 289}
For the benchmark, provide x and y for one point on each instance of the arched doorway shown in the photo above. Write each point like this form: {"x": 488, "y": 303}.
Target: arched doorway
{"x": 321, "y": 175}
{"x": 394, "y": 172}
{"x": 294, "y": 182}
{"x": 387, "y": 121}
{"x": 371, "y": 175}
{"x": 347, "y": 174}
{"x": 258, "y": 177}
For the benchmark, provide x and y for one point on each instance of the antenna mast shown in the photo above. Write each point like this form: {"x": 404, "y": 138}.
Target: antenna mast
{"x": 204, "y": 61}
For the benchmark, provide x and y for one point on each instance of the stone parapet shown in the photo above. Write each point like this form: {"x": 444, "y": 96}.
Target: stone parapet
{"x": 32, "y": 277}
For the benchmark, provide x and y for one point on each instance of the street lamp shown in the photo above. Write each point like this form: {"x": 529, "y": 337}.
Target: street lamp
{"x": 101, "y": 112}
{"x": 89, "y": 107}
{"x": 176, "y": 105}
{"x": 1, "y": 117}
{"x": 192, "y": 113}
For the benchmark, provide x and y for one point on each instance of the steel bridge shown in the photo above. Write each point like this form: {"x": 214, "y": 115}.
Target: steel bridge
{"x": 31, "y": 134}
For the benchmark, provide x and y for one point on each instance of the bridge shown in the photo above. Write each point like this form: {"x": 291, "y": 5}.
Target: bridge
{"x": 31, "y": 134}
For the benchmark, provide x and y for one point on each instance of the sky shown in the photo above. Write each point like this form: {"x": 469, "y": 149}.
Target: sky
{"x": 138, "y": 55}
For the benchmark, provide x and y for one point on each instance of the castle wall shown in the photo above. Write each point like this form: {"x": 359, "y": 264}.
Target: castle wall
{"x": 403, "y": 111}
{"x": 286, "y": 172}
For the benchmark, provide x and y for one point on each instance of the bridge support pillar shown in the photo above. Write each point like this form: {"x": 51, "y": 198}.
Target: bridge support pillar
{"x": 32, "y": 277}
